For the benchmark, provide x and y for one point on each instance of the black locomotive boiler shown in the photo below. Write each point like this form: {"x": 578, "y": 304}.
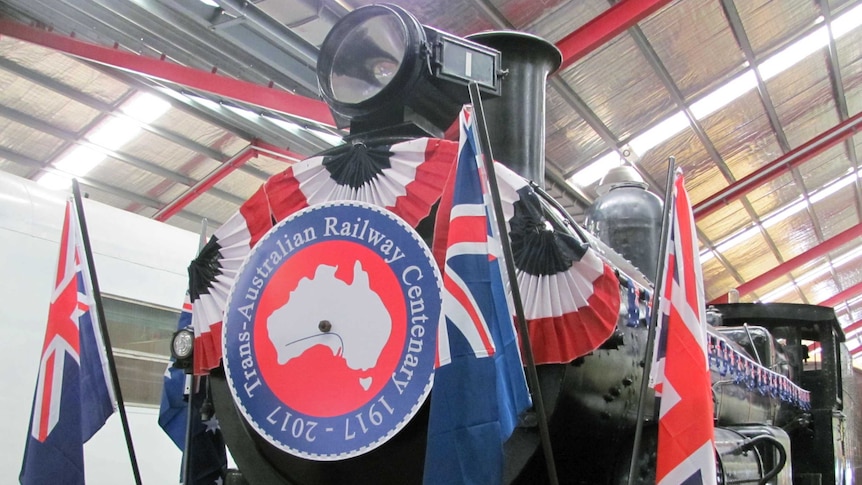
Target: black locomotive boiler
{"x": 780, "y": 418}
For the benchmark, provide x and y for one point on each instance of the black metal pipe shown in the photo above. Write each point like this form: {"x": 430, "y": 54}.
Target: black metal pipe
{"x": 782, "y": 458}
{"x": 654, "y": 317}
{"x": 103, "y": 327}
{"x": 516, "y": 120}
{"x": 527, "y": 348}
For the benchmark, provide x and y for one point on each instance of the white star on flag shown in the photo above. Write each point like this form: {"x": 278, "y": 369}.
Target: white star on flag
{"x": 212, "y": 425}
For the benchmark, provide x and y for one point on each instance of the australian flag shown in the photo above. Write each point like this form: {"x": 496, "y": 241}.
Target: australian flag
{"x": 479, "y": 385}
{"x": 74, "y": 396}
{"x": 686, "y": 448}
{"x": 208, "y": 458}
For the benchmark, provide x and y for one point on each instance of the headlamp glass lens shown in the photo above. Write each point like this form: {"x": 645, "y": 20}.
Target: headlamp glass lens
{"x": 183, "y": 343}
{"x": 368, "y": 58}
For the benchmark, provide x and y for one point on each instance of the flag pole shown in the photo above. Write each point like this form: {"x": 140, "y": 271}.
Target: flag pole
{"x": 103, "y": 326}
{"x": 532, "y": 374}
{"x": 187, "y": 456}
{"x": 653, "y": 323}
{"x": 189, "y": 388}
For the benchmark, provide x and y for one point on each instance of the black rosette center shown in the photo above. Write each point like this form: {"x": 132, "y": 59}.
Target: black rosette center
{"x": 539, "y": 246}
{"x": 358, "y": 165}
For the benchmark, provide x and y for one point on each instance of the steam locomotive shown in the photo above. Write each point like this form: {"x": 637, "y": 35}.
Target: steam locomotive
{"x": 779, "y": 418}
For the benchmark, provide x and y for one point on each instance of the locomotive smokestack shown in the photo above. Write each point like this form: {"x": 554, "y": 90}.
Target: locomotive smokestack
{"x": 516, "y": 120}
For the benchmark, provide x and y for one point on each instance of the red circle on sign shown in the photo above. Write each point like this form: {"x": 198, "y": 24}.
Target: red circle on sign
{"x": 319, "y": 381}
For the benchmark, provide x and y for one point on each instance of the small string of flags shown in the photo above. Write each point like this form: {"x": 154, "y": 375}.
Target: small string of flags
{"x": 729, "y": 362}
{"x": 724, "y": 359}
{"x": 639, "y": 302}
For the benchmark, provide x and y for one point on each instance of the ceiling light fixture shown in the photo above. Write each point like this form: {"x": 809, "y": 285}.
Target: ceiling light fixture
{"x": 114, "y": 134}
{"x": 835, "y": 186}
{"x": 794, "y": 53}
{"x": 79, "y": 160}
{"x": 737, "y": 239}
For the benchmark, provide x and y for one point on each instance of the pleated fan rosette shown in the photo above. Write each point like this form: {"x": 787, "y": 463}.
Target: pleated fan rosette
{"x": 406, "y": 178}
{"x": 571, "y": 296}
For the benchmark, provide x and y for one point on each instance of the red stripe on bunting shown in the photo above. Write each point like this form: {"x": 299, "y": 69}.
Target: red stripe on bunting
{"x": 257, "y": 214}
{"x": 284, "y": 195}
{"x": 558, "y": 339}
{"x": 425, "y": 188}
{"x": 207, "y": 353}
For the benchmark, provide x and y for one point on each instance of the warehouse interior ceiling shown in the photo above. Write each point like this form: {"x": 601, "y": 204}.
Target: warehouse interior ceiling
{"x": 179, "y": 109}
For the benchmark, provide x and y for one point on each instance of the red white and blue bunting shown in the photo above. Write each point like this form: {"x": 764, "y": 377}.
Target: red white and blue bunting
{"x": 730, "y": 363}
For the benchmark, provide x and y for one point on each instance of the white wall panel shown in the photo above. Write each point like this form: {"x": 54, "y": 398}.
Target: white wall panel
{"x": 135, "y": 258}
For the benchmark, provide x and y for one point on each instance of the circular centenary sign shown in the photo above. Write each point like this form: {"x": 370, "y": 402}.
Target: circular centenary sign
{"x": 330, "y": 330}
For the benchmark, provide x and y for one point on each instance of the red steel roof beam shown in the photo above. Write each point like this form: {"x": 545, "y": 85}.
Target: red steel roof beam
{"x": 782, "y": 269}
{"x": 856, "y": 325}
{"x": 853, "y": 326}
{"x": 780, "y": 165}
{"x": 844, "y": 295}
{"x": 605, "y": 27}
{"x": 266, "y": 97}
{"x": 856, "y": 350}
{"x": 205, "y": 184}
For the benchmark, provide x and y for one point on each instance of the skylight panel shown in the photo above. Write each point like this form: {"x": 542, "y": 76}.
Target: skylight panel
{"x": 145, "y": 107}
{"x": 724, "y": 95}
{"x": 79, "y": 161}
{"x": 112, "y": 134}
{"x": 794, "y": 53}
{"x": 595, "y": 171}
{"x": 659, "y": 133}
{"x": 732, "y": 89}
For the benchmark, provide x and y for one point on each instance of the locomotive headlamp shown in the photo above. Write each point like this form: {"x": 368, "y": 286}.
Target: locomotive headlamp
{"x": 182, "y": 347}
{"x": 380, "y": 70}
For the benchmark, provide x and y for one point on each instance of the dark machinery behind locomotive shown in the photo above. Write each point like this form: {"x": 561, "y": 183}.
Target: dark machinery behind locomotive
{"x": 592, "y": 402}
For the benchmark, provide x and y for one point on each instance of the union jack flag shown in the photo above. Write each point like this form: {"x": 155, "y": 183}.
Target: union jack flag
{"x": 686, "y": 442}
{"x": 479, "y": 386}
{"x": 74, "y": 396}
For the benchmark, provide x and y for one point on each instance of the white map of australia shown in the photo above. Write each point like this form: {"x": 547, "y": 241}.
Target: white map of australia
{"x": 360, "y": 323}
